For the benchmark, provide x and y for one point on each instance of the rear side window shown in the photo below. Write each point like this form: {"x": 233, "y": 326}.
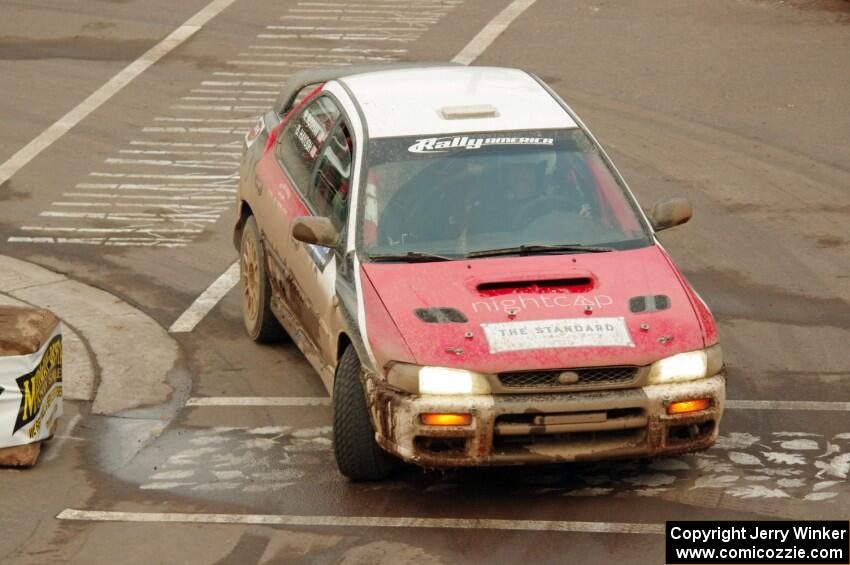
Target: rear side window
{"x": 303, "y": 136}
{"x": 329, "y": 192}
{"x": 304, "y": 93}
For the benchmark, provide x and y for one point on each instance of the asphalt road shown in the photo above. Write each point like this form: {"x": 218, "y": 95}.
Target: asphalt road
{"x": 740, "y": 105}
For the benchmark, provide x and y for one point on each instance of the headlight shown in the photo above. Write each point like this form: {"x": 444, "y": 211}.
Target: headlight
{"x": 437, "y": 380}
{"x": 687, "y": 366}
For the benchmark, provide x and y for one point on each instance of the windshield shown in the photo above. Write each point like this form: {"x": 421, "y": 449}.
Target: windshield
{"x": 471, "y": 193}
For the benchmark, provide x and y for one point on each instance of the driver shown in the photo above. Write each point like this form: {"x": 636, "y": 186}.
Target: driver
{"x": 522, "y": 178}
{"x": 567, "y": 182}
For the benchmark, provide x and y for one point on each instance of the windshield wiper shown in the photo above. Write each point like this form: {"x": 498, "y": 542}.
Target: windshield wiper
{"x": 410, "y": 257}
{"x": 539, "y": 248}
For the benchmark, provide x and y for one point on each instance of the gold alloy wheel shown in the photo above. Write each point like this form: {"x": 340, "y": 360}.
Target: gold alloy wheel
{"x": 250, "y": 278}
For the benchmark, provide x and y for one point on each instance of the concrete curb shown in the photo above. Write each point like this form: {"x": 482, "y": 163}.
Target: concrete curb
{"x": 108, "y": 341}
{"x": 78, "y": 370}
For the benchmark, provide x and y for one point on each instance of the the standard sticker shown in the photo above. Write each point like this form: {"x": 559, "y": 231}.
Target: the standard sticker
{"x": 549, "y": 334}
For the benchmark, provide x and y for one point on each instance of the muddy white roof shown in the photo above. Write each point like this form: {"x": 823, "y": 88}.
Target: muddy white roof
{"x": 403, "y": 102}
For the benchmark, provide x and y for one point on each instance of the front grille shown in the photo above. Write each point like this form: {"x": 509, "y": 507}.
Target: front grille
{"x": 532, "y": 418}
{"x": 575, "y": 444}
{"x": 596, "y": 376}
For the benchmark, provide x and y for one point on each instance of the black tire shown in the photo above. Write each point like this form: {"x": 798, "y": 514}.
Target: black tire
{"x": 255, "y": 289}
{"x": 358, "y": 455}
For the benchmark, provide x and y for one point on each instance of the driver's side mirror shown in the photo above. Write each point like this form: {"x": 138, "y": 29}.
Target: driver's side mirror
{"x": 671, "y": 213}
{"x": 315, "y": 230}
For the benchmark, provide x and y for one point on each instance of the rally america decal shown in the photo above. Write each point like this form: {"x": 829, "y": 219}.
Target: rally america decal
{"x": 550, "y": 334}
{"x": 31, "y": 393}
{"x": 443, "y": 144}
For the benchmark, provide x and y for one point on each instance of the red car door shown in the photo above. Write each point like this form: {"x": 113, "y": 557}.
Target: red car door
{"x": 285, "y": 174}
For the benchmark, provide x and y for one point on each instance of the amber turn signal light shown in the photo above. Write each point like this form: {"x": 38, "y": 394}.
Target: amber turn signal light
{"x": 687, "y": 406}
{"x": 446, "y": 419}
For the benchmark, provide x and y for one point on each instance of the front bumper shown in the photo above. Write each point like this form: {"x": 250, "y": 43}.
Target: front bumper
{"x": 510, "y": 429}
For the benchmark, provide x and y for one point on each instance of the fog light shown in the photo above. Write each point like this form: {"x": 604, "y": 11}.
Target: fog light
{"x": 687, "y": 406}
{"x": 446, "y": 419}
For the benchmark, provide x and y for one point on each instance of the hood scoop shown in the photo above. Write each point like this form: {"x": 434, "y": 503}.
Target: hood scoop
{"x": 537, "y": 286}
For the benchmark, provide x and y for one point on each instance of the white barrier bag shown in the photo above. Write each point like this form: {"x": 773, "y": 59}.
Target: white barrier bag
{"x": 31, "y": 393}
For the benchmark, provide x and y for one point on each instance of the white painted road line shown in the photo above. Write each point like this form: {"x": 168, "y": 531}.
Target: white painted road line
{"x": 206, "y": 120}
{"x": 132, "y": 217}
{"x": 131, "y": 230}
{"x": 156, "y": 197}
{"x": 59, "y": 128}
{"x": 491, "y": 31}
{"x": 230, "y": 144}
{"x": 115, "y": 242}
{"x": 264, "y": 75}
{"x": 207, "y": 301}
{"x": 259, "y": 401}
{"x": 342, "y": 36}
{"x": 788, "y": 405}
{"x": 183, "y": 176}
{"x": 363, "y": 522}
{"x": 301, "y": 50}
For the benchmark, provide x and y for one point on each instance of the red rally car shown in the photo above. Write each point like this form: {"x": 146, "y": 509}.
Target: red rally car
{"x": 471, "y": 277}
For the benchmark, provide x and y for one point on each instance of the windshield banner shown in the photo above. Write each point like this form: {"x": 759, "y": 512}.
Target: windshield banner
{"x": 567, "y": 332}
{"x": 31, "y": 393}
{"x": 443, "y": 144}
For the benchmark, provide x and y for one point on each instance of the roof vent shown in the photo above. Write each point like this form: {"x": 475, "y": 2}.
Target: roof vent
{"x": 468, "y": 112}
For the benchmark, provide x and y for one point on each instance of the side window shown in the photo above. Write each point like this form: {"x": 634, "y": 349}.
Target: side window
{"x": 302, "y": 138}
{"x": 304, "y": 93}
{"x": 330, "y": 189}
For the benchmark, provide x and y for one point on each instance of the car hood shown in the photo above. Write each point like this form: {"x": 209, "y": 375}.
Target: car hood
{"x": 537, "y": 312}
